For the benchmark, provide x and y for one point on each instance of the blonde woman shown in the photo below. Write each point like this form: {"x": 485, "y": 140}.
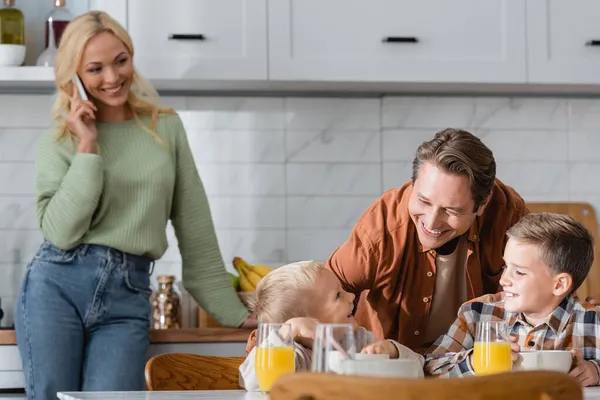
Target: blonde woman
{"x": 109, "y": 177}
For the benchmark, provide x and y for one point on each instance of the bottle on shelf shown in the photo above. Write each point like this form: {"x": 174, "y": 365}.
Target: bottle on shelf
{"x": 12, "y": 24}
{"x": 46, "y": 59}
{"x": 58, "y": 18}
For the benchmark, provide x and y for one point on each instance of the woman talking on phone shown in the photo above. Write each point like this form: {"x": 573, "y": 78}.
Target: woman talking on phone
{"x": 109, "y": 176}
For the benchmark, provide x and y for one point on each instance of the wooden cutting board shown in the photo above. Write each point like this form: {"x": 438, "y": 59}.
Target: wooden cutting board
{"x": 584, "y": 213}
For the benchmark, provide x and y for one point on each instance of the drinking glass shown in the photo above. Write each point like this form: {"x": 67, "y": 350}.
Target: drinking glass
{"x": 274, "y": 354}
{"x": 332, "y": 345}
{"x": 362, "y": 339}
{"x": 491, "y": 352}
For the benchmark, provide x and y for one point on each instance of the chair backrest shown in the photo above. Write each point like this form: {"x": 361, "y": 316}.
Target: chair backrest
{"x": 585, "y": 214}
{"x": 522, "y": 385}
{"x": 180, "y": 371}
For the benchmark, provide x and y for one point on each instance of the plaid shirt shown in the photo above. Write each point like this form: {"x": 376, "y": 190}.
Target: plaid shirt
{"x": 572, "y": 325}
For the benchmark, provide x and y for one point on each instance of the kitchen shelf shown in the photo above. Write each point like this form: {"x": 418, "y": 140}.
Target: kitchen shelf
{"x": 7, "y": 337}
{"x": 27, "y": 73}
{"x": 184, "y": 335}
{"x": 199, "y": 335}
{"x": 20, "y": 79}
{"x": 32, "y": 79}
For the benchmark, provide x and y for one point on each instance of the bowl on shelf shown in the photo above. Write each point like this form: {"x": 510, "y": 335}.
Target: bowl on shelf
{"x": 12, "y": 55}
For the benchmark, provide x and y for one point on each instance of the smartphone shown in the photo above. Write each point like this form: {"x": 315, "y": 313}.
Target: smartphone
{"x": 82, "y": 93}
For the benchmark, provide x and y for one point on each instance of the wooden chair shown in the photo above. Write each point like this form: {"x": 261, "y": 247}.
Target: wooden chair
{"x": 522, "y": 385}
{"x": 179, "y": 371}
{"x": 585, "y": 214}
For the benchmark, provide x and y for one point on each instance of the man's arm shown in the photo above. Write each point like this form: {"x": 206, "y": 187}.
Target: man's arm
{"x": 355, "y": 262}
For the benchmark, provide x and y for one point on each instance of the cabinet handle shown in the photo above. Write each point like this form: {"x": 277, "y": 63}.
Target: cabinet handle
{"x": 593, "y": 43}
{"x": 180, "y": 36}
{"x": 400, "y": 39}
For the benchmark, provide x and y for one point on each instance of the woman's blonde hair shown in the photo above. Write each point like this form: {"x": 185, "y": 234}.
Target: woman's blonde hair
{"x": 143, "y": 98}
{"x": 279, "y": 295}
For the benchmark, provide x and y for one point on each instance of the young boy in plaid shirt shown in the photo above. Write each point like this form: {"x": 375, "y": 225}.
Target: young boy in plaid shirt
{"x": 547, "y": 256}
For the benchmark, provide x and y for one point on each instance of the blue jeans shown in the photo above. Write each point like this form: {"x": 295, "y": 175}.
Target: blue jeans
{"x": 82, "y": 320}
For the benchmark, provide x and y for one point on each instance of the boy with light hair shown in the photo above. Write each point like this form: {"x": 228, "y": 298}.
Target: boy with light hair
{"x": 304, "y": 294}
{"x": 547, "y": 257}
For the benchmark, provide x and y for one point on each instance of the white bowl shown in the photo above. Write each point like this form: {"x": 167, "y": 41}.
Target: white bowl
{"x": 336, "y": 358}
{"x": 548, "y": 360}
{"x": 12, "y": 55}
{"x": 392, "y": 368}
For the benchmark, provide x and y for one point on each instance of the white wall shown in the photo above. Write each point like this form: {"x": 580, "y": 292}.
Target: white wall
{"x": 288, "y": 177}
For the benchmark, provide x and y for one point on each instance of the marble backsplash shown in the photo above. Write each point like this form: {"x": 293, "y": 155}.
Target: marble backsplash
{"x": 288, "y": 177}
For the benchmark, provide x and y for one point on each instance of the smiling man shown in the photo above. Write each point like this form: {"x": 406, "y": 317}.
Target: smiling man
{"x": 421, "y": 250}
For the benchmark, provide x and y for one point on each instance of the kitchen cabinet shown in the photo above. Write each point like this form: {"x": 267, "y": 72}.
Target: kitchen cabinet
{"x": 212, "y": 342}
{"x": 563, "y": 38}
{"x": 397, "y": 40}
{"x": 115, "y": 8}
{"x": 199, "y": 39}
{"x": 11, "y": 368}
{"x": 382, "y": 46}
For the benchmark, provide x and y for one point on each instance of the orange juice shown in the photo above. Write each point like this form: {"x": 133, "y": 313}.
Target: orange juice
{"x": 271, "y": 363}
{"x": 491, "y": 357}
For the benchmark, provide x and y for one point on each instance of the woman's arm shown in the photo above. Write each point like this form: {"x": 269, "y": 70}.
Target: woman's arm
{"x": 68, "y": 191}
{"x": 204, "y": 274}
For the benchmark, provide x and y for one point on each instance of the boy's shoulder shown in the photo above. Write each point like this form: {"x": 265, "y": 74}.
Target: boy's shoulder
{"x": 492, "y": 299}
{"x": 488, "y": 306}
{"x": 589, "y": 307}
{"x": 492, "y": 305}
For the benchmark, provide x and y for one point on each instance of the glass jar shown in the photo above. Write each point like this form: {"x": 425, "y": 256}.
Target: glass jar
{"x": 166, "y": 305}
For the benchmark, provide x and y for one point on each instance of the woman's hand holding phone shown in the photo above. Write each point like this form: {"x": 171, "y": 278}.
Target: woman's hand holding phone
{"x": 81, "y": 120}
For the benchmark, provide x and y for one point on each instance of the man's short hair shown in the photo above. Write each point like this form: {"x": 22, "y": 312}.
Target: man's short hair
{"x": 461, "y": 153}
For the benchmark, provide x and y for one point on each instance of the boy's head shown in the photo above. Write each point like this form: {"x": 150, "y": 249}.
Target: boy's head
{"x": 302, "y": 289}
{"x": 547, "y": 256}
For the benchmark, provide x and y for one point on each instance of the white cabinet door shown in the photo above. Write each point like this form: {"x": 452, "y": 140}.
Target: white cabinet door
{"x": 563, "y": 39}
{"x": 397, "y": 40}
{"x": 199, "y": 39}
{"x": 115, "y": 8}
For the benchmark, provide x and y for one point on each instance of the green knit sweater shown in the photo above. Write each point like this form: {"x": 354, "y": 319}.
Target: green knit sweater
{"x": 124, "y": 196}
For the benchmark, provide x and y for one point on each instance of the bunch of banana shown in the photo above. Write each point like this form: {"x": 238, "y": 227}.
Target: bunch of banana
{"x": 250, "y": 275}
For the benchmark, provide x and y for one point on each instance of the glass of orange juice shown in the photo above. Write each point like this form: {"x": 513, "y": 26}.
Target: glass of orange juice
{"x": 274, "y": 354}
{"x": 491, "y": 353}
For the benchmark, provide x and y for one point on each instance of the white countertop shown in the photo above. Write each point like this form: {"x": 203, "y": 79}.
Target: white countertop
{"x": 589, "y": 394}
{"x": 166, "y": 395}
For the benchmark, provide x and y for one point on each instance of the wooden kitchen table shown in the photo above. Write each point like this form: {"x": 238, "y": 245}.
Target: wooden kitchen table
{"x": 588, "y": 394}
